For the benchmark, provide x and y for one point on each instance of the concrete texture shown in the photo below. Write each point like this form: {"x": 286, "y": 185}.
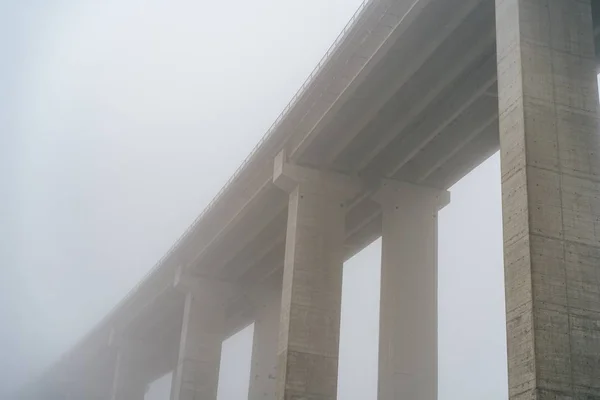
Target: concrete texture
{"x": 428, "y": 122}
{"x": 551, "y": 197}
{"x": 408, "y": 309}
{"x": 196, "y": 375}
{"x": 263, "y": 370}
{"x": 312, "y": 282}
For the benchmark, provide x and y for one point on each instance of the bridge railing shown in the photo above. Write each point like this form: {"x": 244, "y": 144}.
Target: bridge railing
{"x": 301, "y": 91}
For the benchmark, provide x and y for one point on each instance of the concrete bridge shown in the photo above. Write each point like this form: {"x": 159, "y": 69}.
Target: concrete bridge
{"x": 411, "y": 97}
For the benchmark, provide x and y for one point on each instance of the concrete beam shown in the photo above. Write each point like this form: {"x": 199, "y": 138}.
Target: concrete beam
{"x": 466, "y": 159}
{"x": 212, "y": 253}
{"x": 263, "y": 243}
{"x": 434, "y": 121}
{"x": 288, "y": 176}
{"x": 467, "y": 126}
{"x": 242, "y": 309}
{"x": 424, "y": 172}
{"x": 401, "y": 15}
{"x": 409, "y": 68}
{"x": 456, "y": 56}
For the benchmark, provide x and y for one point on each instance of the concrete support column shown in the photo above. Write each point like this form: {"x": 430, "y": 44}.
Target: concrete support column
{"x": 263, "y": 370}
{"x": 408, "y": 308}
{"x": 312, "y": 282}
{"x": 128, "y": 382}
{"x": 196, "y": 375}
{"x": 550, "y": 148}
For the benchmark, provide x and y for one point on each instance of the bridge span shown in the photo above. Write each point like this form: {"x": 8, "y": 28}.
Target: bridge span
{"x": 412, "y": 96}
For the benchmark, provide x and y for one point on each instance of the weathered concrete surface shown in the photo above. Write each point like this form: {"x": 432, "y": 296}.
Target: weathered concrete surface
{"x": 409, "y": 93}
{"x": 408, "y": 308}
{"x": 309, "y": 328}
{"x": 196, "y": 375}
{"x": 551, "y": 197}
{"x": 388, "y": 72}
{"x": 263, "y": 370}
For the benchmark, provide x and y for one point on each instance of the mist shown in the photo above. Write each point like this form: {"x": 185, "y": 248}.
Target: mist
{"x": 120, "y": 120}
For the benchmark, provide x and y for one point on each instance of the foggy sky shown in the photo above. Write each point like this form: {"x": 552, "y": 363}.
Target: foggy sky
{"x": 120, "y": 120}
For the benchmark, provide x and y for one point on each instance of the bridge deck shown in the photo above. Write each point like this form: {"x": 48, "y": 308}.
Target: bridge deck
{"x": 409, "y": 93}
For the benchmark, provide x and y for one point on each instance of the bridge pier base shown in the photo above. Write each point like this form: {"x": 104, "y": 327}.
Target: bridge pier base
{"x": 550, "y": 148}
{"x": 263, "y": 370}
{"x": 408, "y": 308}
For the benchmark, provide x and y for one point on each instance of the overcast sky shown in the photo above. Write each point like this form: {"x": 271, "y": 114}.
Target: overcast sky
{"x": 120, "y": 120}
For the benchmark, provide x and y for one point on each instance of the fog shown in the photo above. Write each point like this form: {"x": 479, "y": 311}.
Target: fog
{"x": 120, "y": 120}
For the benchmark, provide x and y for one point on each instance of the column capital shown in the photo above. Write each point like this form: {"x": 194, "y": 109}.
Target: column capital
{"x": 395, "y": 193}
{"x": 288, "y": 176}
{"x": 201, "y": 287}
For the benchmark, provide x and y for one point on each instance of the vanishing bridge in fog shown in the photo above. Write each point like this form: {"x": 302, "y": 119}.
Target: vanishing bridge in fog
{"x": 411, "y": 97}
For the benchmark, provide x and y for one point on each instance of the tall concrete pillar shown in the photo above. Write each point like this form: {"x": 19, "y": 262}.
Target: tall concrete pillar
{"x": 263, "y": 370}
{"x": 550, "y": 147}
{"x": 128, "y": 382}
{"x": 408, "y": 308}
{"x": 312, "y": 282}
{"x": 196, "y": 375}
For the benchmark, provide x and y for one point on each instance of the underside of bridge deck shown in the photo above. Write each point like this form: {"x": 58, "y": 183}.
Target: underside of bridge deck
{"x": 423, "y": 109}
{"x": 409, "y": 94}
{"x": 426, "y": 113}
